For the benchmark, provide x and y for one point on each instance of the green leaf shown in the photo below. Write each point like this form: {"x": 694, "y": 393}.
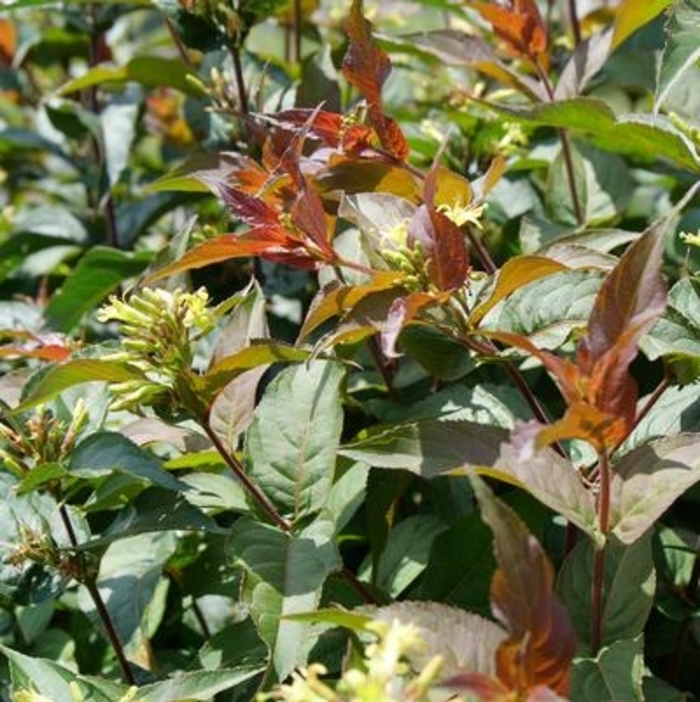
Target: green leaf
{"x": 133, "y": 587}
{"x": 257, "y": 354}
{"x": 632, "y": 15}
{"x": 284, "y": 574}
{"x": 678, "y": 331}
{"x": 149, "y": 71}
{"x": 603, "y": 185}
{"x": 406, "y": 553}
{"x": 648, "y": 480}
{"x": 453, "y": 579}
{"x": 628, "y": 588}
{"x": 547, "y": 310}
{"x": 53, "y": 680}
{"x": 293, "y": 439}
{"x": 197, "y": 685}
{"x": 58, "y": 378}
{"x": 154, "y": 510}
{"x": 105, "y": 451}
{"x": 428, "y": 448}
{"x": 676, "y": 411}
{"x": 681, "y": 51}
{"x": 97, "y": 274}
{"x": 614, "y": 674}
{"x": 653, "y": 136}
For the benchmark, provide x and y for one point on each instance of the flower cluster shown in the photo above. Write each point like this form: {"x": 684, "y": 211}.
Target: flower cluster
{"x": 159, "y": 329}
{"x": 385, "y": 675}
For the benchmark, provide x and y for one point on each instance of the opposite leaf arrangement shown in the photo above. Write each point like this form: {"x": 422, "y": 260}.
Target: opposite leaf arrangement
{"x": 442, "y": 442}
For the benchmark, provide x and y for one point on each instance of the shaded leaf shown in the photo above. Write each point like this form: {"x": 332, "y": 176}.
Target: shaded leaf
{"x": 106, "y": 451}
{"x": 284, "y": 574}
{"x": 541, "y": 640}
{"x": 97, "y": 274}
{"x": 628, "y": 588}
{"x": 614, "y": 674}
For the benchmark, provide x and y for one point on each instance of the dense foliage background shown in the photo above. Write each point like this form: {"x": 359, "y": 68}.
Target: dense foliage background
{"x": 320, "y": 314}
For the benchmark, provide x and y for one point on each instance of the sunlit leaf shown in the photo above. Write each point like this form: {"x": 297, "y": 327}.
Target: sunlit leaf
{"x": 681, "y": 52}
{"x": 519, "y": 26}
{"x": 466, "y": 641}
{"x": 150, "y": 71}
{"x": 81, "y": 370}
{"x": 292, "y": 441}
{"x": 367, "y": 67}
{"x": 514, "y": 274}
{"x": 632, "y": 15}
{"x": 336, "y": 299}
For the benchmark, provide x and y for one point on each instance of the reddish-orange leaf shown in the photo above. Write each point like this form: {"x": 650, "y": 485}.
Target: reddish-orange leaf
{"x": 273, "y": 244}
{"x": 482, "y": 686}
{"x": 331, "y": 128}
{"x": 308, "y": 216}
{"x": 335, "y": 299}
{"x": 8, "y": 42}
{"x": 519, "y": 25}
{"x": 541, "y": 642}
{"x": 583, "y": 420}
{"x": 251, "y": 210}
{"x": 631, "y": 299}
{"x": 50, "y": 352}
{"x": 444, "y": 246}
{"x": 366, "y": 67}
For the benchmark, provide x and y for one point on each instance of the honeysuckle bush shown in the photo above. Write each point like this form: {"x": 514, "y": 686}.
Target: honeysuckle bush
{"x": 349, "y": 351}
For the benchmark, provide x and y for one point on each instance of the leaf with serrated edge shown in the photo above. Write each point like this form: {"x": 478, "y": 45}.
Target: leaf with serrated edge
{"x": 284, "y": 574}
{"x": 648, "y": 480}
{"x": 515, "y": 273}
{"x": 681, "y": 52}
{"x": 467, "y": 642}
{"x": 292, "y": 441}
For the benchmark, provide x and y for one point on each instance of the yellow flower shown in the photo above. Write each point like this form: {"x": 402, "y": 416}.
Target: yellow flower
{"x": 690, "y": 239}
{"x": 461, "y": 215}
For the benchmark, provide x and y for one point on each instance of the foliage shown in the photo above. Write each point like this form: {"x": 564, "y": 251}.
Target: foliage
{"x": 349, "y": 350}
